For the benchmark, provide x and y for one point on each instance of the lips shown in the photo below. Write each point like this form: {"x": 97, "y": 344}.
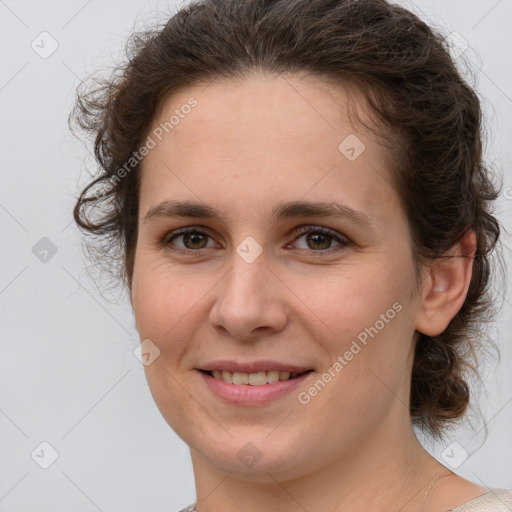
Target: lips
{"x": 247, "y": 395}
{"x": 253, "y": 366}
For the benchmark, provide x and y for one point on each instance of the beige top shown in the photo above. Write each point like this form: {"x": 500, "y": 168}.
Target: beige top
{"x": 494, "y": 500}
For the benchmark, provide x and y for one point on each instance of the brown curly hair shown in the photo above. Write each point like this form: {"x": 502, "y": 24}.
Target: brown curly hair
{"x": 412, "y": 85}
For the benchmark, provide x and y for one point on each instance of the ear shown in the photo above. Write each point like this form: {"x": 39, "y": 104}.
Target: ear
{"x": 445, "y": 288}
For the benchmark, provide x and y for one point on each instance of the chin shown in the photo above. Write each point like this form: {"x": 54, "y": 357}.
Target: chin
{"x": 257, "y": 458}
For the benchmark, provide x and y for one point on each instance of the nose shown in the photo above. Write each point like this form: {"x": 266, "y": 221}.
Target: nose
{"x": 250, "y": 301}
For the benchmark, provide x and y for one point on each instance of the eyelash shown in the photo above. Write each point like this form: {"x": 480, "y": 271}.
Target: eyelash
{"x": 297, "y": 234}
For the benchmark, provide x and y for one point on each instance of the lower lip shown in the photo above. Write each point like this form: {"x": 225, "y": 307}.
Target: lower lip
{"x": 245, "y": 394}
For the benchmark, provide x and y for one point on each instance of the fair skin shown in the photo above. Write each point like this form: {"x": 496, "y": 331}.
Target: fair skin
{"x": 245, "y": 147}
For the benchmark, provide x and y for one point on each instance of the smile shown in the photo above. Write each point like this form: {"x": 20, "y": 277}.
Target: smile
{"x": 253, "y": 379}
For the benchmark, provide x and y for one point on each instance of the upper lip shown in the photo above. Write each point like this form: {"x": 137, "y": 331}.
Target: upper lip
{"x": 253, "y": 366}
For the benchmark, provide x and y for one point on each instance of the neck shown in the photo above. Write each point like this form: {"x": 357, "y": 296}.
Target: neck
{"x": 390, "y": 470}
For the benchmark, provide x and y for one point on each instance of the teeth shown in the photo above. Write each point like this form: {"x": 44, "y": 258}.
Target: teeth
{"x": 254, "y": 379}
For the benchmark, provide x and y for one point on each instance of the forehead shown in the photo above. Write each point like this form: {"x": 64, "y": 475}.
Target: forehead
{"x": 290, "y": 106}
{"x": 248, "y": 142}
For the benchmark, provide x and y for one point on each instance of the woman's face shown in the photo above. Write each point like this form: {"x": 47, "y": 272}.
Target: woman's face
{"x": 246, "y": 286}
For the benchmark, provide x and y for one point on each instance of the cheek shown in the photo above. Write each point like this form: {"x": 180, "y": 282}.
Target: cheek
{"x": 164, "y": 313}
{"x": 162, "y": 300}
{"x": 347, "y": 302}
{"x": 366, "y": 329}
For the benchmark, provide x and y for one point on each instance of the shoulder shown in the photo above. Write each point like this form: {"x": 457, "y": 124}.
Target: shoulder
{"x": 190, "y": 508}
{"x": 494, "y": 500}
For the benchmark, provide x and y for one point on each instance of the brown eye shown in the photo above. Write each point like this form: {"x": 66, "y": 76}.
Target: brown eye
{"x": 192, "y": 240}
{"x": 196, "y": 240}
{"x": 320, "y": 239}
{"x": 317, "y": 240}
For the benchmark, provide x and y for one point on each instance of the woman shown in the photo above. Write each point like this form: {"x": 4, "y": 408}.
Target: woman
{"x": 297, "y": 193}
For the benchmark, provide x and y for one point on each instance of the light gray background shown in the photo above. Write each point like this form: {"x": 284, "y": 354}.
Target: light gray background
{"x": 68, "y": 375}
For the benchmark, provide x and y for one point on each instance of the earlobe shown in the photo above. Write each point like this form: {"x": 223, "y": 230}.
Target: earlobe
{"x": 445, "y": 289}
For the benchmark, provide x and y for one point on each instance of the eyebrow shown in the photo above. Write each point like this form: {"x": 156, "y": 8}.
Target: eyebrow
{"x": 282, "y": 210}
